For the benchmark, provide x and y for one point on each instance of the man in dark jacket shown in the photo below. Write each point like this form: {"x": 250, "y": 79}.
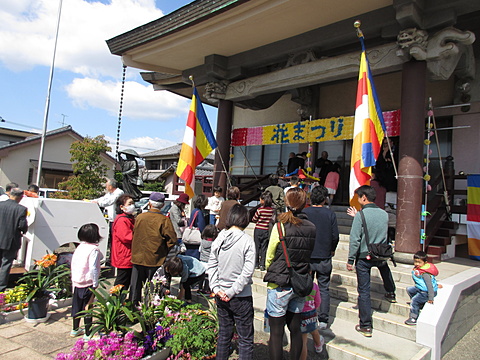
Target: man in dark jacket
{"x": 376, "y": 221}
{"x": 326, "y": 242}
{"x": 13, "y": 223}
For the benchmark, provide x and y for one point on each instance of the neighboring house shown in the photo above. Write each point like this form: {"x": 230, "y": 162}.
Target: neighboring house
{"x": 161, "y": 165}
{"x": 10, "y": 136}
{"x": 19, "y": 160}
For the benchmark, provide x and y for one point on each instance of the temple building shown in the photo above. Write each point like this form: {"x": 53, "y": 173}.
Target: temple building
{"x": 284, "y": 75}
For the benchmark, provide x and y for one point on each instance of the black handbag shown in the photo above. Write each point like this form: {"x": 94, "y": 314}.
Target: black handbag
{"x": 302, "y": 284}
{"x": 379, "y": 252}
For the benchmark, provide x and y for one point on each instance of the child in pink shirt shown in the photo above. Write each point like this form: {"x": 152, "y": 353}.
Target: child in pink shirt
{"x": 331, "y": 182}
{"x": 310, "y": 322}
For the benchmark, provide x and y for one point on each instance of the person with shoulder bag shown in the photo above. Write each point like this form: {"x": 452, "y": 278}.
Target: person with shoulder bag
{"x": 288, "y": 256}
{"x": 369, "y": 227}
{"x": 192, "y": 235}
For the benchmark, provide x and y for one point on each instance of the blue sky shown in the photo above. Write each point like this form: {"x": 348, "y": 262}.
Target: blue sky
{"x": 86, "y": 84}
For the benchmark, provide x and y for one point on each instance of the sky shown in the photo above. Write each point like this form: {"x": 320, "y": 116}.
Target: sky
{"x": 85, "y": 91}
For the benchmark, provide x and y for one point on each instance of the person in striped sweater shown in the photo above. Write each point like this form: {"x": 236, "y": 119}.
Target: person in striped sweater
{"x": 262, "y": 218}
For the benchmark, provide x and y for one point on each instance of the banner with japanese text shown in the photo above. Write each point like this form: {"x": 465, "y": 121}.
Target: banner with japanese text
{"x": 308, "y": 131}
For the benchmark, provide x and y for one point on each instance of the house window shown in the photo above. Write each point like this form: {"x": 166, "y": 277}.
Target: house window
{"x": 154, "y": 164}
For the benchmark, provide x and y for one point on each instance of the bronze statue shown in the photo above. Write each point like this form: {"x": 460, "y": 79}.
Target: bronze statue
{"x": 131, "y": 178}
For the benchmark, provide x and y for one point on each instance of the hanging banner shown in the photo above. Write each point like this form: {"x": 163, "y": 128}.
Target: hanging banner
{"x": 309, "y": 131}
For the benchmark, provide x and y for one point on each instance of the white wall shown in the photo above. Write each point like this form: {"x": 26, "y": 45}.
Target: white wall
{"x": 283, "y": 111}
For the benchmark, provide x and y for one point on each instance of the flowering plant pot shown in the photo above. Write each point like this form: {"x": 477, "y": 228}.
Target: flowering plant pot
{"x": 38, "y": 308}
{"x": 44, "y": 278}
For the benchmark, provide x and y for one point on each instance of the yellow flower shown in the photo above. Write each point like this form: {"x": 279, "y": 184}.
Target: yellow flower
{"x": 116, "y": 289}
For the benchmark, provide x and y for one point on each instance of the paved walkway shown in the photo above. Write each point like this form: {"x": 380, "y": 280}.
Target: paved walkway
{"x": 20, "y": 340}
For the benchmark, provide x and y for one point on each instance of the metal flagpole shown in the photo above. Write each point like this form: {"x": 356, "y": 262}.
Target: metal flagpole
{"x": 47, "y": 103}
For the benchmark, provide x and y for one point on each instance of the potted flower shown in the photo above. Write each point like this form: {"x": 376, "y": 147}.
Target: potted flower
{"x": 40, "y": 282}
{"x": 112, "y": 346}
{"x": 111, "y": 311}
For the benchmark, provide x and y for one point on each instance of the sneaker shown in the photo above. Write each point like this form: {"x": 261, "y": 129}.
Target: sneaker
{"x": 364, "y": 331}
{"x": 322, "y": 325}
{"x": 78, "y": 332}
{"x": 411, "y": 321}
{"x": 319, "y": 348}
{"x": 391, "y": 297}
{"x": 87, "y": 337}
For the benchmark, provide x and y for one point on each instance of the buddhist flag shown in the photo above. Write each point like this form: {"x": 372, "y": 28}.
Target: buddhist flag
{"x": 198, "y": 142}
{"x": 473, "y": 216}
{"x": 368, "y": 130}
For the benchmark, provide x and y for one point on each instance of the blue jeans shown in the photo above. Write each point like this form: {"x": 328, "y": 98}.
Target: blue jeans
{"x": 213, "y": 219}
{"x": 418, "y": 299}
{"x": 363, "y": 268}
{"x": 323, "y": 270}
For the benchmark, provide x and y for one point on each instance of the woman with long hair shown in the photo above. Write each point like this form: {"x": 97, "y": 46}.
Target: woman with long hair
{"x": 283, "y": 305}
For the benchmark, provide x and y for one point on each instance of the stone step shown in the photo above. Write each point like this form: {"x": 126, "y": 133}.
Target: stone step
{"x": 344, "y": 277}
{"x": 350, "y": 294}
{"x": 383, "y": 321}
{"x": 401, "y": 273}
{"x": 344, "y": 343}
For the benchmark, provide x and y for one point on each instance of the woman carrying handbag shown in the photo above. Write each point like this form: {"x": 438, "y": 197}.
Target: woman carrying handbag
{"x": 284, "y": 305}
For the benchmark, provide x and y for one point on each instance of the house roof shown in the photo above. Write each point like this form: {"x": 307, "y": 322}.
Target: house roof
{"x": 170, "y": 151}
{"x": 13, "y": 132}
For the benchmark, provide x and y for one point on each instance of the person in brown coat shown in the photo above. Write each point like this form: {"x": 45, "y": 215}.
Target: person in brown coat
{"x": 233, "y": 194}
{"x": 153, "y": 237}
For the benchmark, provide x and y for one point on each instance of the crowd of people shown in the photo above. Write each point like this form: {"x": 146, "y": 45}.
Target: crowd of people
{"x": 291, "y": 238}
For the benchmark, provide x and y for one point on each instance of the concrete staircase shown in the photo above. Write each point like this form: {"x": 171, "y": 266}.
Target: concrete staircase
{"x": 391, "y": 339}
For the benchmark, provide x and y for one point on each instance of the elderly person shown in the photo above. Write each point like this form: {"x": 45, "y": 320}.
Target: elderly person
{"x": 107, "y": 201}
{"x": 13, "y": 222}
{"x": 177, "y": 215}
{"x": 153, "y": 237}
{"x": 5, "y": 196}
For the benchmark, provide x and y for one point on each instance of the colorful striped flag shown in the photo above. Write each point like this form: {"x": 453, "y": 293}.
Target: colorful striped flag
{"x": 198, "y": 142}
{"x": 473, "y": 216}
{"x": 369, "y": 128}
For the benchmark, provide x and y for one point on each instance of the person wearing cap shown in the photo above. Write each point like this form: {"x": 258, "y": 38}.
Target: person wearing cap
{"x": 177, "y": 215}
{"x": 153, "y": 237}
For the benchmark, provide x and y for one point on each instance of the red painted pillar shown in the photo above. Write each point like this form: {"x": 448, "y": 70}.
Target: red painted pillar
{"x": 224, "y": 138}
{"x": 410, "y": 169}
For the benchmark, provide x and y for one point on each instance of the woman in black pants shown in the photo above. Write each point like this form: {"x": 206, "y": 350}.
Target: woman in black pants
{"x": 283, "y": 305}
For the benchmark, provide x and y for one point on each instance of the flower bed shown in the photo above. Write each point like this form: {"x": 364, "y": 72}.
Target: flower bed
{"x": 168, "y": 325}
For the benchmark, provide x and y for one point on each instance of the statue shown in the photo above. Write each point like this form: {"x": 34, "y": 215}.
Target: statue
{"x": 131, "y": 178}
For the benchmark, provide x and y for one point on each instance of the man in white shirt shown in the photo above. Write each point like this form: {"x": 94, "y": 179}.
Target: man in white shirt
{"x": 107, "y": 201}
{"x": 8, "y": 187}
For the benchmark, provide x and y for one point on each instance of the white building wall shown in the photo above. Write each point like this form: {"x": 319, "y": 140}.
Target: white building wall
{"x": 16, "y": 165}
{"x": 283, "y": 111}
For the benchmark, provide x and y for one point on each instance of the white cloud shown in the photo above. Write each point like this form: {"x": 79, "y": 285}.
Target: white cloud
{"x": 140, "y": 101}
{"x": 141, "y": 144}
{"x": 28, "y": 28}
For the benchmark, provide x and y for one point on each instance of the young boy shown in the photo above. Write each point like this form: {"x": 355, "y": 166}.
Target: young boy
{"x": 425, "y": 288}
{"x": 214, "y": 204}
{"x": 191, "y": 271}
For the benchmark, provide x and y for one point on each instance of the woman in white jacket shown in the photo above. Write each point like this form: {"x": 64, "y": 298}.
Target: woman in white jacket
{"x": 230, "y": 269}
